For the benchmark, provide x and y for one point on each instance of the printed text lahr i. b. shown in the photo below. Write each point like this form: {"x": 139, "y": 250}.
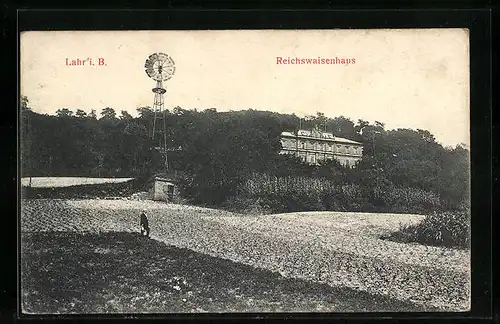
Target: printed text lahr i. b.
{"x": 86, "y": 62}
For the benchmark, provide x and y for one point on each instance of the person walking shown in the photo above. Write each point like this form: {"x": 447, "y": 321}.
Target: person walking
{"x": 144, "y": 224}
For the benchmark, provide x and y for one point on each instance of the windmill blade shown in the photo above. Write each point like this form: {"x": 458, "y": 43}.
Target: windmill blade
{"x": 167, "y": 64}
{"x": 153, "y": 57}
{"x": 169, "y": 72}
{"x": 150, "y": 72}
{"x": 162, "y": 56}
{"x": 149, "y": 64}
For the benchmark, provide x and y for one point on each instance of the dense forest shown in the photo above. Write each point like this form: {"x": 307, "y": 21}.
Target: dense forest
{"x": 220, "y": 152}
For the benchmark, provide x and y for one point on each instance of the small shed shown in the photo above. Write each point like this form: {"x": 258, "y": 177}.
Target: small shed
{"x": 164, "y": 189}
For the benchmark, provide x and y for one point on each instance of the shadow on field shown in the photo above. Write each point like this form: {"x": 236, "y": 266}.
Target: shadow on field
{"x": 118, "y": 272}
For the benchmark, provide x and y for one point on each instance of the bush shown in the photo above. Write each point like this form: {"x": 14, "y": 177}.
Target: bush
{"x": 290, "y": 194}
{"x": 411, "y": 200}
{"x": 264, "y": 193}
{"x": 246, "y": 205}
{"x": 299, "y": 199}
{"x": 449, "y": 229}
{"x": 347, "y": 197}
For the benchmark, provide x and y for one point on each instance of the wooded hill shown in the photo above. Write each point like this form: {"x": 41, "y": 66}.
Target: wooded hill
{"x": 222, "y": 151}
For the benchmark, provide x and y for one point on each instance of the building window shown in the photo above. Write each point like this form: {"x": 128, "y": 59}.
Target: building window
{"x": 302, "y": 144}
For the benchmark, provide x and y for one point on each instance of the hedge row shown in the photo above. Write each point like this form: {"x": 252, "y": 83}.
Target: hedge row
{"x": 291, "y": 194}
{"x": 87, "y": 191}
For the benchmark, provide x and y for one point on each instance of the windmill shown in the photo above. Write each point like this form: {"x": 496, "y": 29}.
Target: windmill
{"x": 160, "y": 67}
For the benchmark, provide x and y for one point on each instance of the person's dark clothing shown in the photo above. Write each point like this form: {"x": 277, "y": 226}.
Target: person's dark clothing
{"x": 144, "y": 224}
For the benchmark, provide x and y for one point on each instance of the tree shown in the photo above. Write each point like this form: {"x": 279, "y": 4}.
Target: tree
{"x": 108, "y": 114}
{"x": 426, "y": 136}
{"x": 145, "y": 112}
{"x": 65, "y": 112}
{"x": 321, "y": 121}
{"x": 220, "y": 150}
{"x": 24, "y": 103}
{"x": 360, "y": 126}
{"x": 92, "y": 114}
{"x": 342, "y": 127}
{"x": 80, "y": 113}
{"x": 26, "y": 138}
{"x": 126, "y": 116}
{"x": 333, "y": 170}
{"x": 379, "y": 125}
{"x": 455, "y": 177}
{"x": 146, "y": 117}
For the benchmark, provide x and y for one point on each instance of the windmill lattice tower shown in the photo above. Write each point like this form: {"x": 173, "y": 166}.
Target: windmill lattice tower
{"x": 160, "y": 67}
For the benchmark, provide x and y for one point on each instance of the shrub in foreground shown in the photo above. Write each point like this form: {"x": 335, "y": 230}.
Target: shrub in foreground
{"x": 448, "y": 229}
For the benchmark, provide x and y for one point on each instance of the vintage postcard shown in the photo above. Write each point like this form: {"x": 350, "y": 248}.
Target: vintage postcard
{"x": 245, "y": 171}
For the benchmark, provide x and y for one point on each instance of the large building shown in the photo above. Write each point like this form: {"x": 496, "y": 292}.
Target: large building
{"x": 315, "y": 146}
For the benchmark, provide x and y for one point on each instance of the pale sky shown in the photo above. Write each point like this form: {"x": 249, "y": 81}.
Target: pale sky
{"x": 403, "y": 78}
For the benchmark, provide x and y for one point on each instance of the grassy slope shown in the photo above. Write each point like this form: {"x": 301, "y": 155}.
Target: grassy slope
{"x": 68, "y": 272}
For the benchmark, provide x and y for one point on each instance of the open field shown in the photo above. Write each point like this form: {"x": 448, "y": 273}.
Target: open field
{"x": 337, "y": 249}
{"x": 46, "y": 182}
{"x": 120, "y": 272}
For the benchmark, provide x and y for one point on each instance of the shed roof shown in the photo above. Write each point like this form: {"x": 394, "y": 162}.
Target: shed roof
{"x": 163, "y": 179}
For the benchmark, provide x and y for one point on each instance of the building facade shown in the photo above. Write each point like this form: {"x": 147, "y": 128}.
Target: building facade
{"x": 315, "y": 146}
{"x": 163, "y": 189}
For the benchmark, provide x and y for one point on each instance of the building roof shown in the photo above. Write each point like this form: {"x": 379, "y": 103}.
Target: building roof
{"x": 328, "y": 135}
{"x": 301, "y": 133}
{"x": 170, "y": 176}
{"x": 164, "y": 179}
